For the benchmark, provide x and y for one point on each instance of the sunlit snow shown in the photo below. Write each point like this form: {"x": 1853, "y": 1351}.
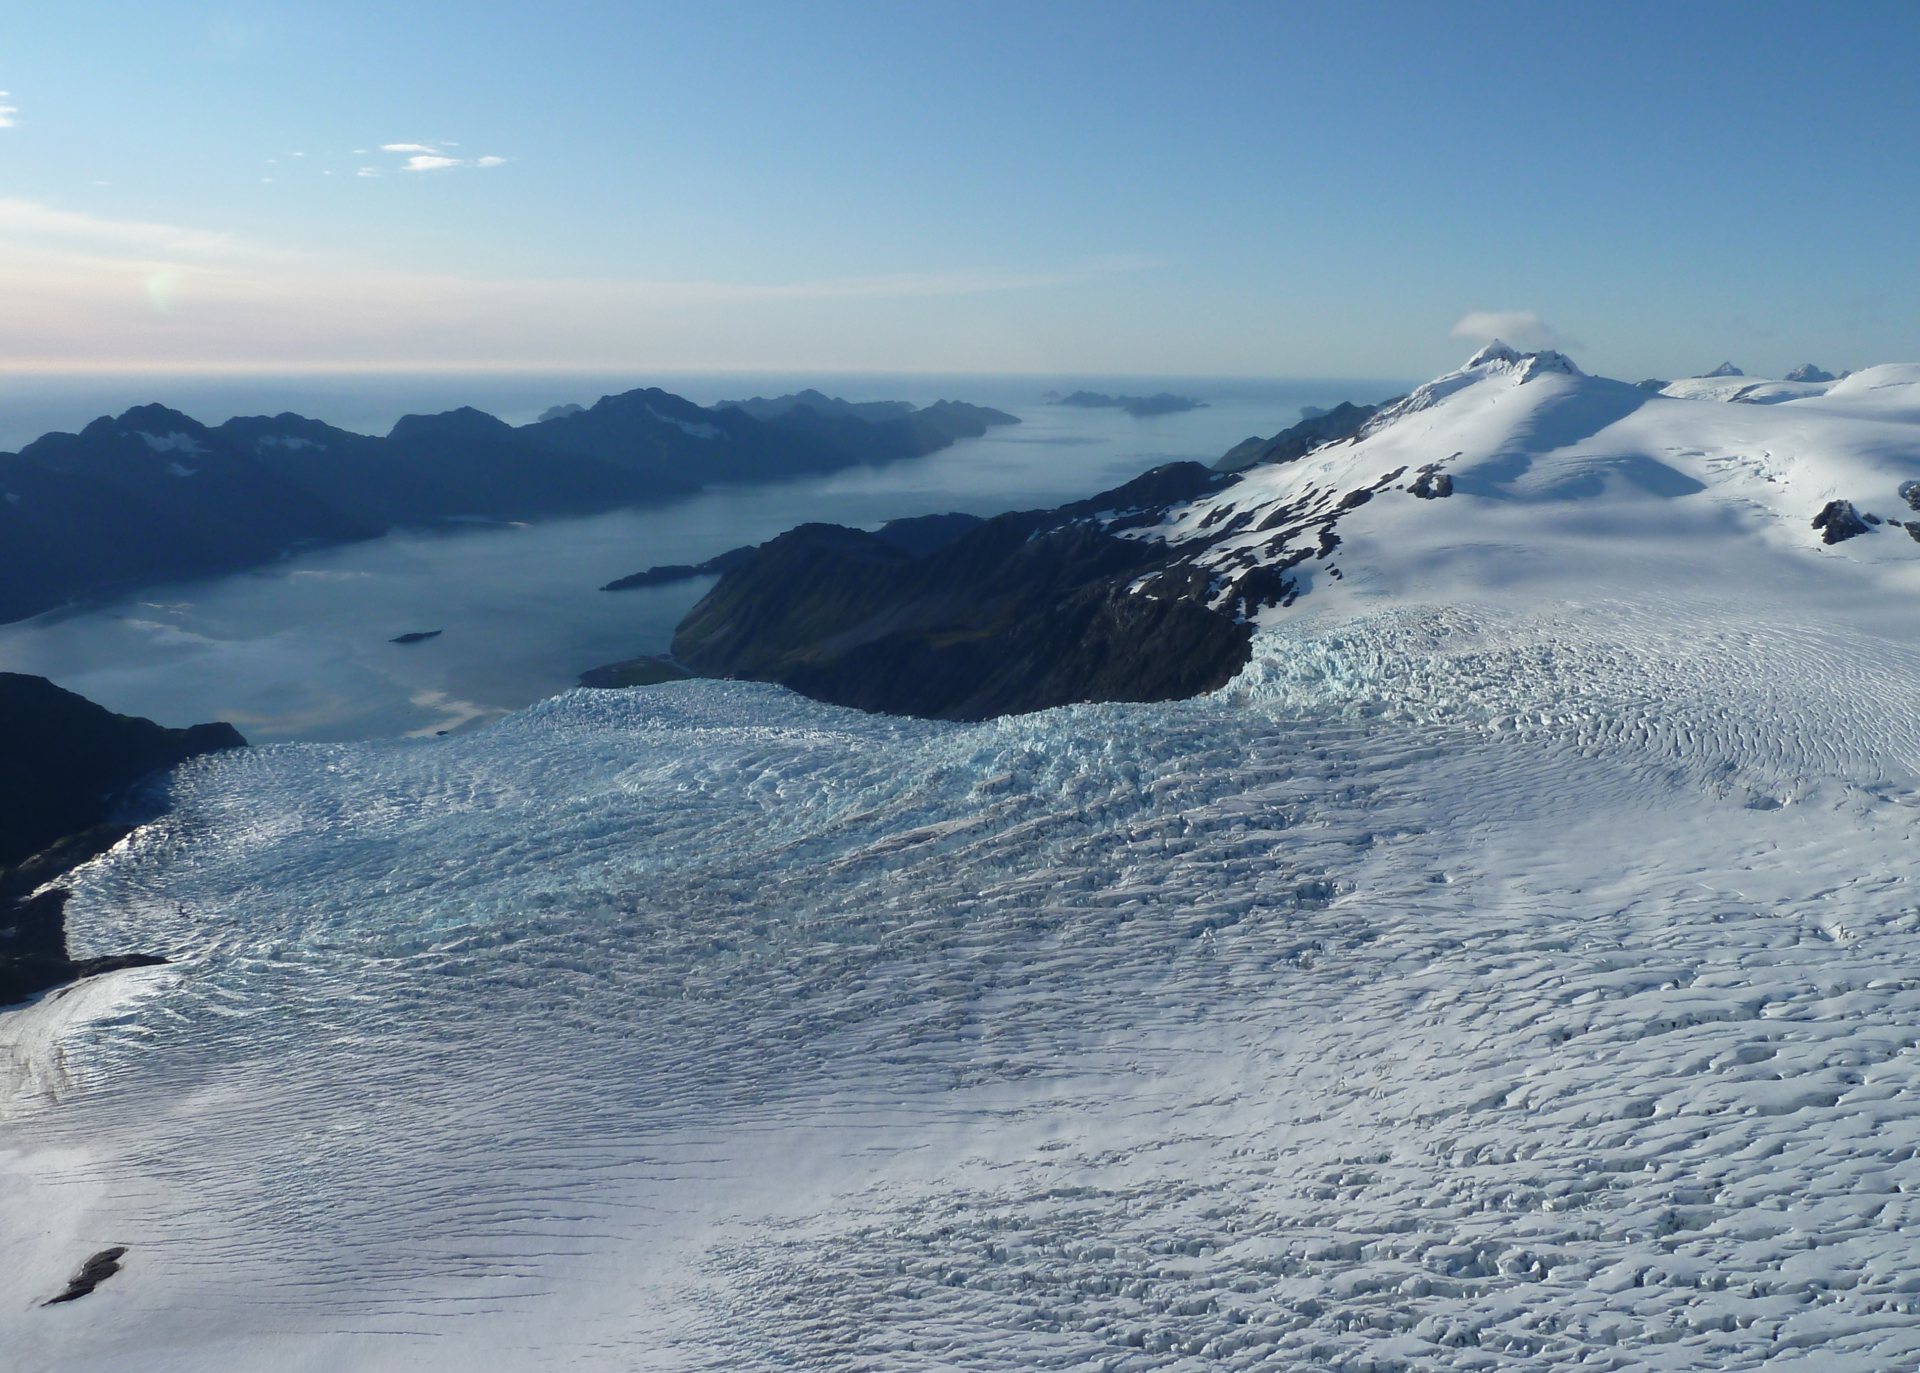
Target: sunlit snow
{"x": 1518, "y": 966}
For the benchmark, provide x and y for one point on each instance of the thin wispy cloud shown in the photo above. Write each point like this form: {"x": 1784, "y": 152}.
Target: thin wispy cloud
{"x": 30, "y": 223}
{"x": 7, "y": 111}
{"x": 433, "y": 157}
{"x": 86, "y": 292}
{"x": 439, "y": 162}
{"x": 1521, "y": 328}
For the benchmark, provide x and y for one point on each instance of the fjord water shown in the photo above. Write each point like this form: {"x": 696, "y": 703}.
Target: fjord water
{"x": 301, "y": 649}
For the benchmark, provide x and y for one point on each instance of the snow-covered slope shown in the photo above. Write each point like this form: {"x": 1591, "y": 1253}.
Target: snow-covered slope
{"x": 1571, "y": 486}
{"x": 1752, "y": 390}
{"x": 1518, "y": 966}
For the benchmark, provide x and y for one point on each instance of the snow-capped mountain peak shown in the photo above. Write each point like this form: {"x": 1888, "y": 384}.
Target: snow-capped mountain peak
{"x": 1500, "y": 356}
{"x": 1567, "y": 482}
{"x": 1497, "y": 362}
{"x": 1497, "y": 351}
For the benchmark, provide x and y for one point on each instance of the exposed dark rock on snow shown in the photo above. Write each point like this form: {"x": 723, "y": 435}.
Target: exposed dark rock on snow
{"x": 1839, "y": 521}
{"x": 1655, "y": 384}
{"x": 1327, "y": 426}
{"x": 93, "y": 1272}
{"x": 1725, "y": 369}
{"x": 66, "y": 769}
{"x": 1806, "y": 371}
{"x": 1910, "y": 493}
{"x": 1432, "y": 483}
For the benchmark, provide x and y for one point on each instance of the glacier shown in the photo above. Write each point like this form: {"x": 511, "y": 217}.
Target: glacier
{"x": 1517, "y": 966}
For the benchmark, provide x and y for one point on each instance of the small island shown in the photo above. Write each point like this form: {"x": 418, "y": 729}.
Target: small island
{"x": 1140, "y": 407}
{"x": 417, "y": 636}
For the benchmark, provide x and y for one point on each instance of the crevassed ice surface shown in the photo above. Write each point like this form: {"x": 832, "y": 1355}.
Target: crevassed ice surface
{"x": 1460, "y": 988}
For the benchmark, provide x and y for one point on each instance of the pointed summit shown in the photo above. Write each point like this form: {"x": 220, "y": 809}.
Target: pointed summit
{"x": 1725, "y": 369}
{"x": 1500, "y": 354}
{"x": 1496, "y": 351}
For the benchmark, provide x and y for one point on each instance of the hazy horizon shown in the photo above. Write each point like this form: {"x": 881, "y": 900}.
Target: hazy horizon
{"x": 370, "y": 402}
{"x": 1078, "y": 188}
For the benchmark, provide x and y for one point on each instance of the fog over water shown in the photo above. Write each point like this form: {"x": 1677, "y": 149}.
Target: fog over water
{"x": 301, "y": 650}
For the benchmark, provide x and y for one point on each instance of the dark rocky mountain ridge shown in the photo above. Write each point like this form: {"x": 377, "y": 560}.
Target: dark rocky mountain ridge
{"x": 1296, "y": 441}
{"x": 914, "y": 535}
{"x": 153, "y": 494}
{"x": 1016, "y": 613}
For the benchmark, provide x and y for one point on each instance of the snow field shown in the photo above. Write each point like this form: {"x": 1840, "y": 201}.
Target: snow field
{"x": 1517, "y": 966}
{"x": 1449, "y": 990}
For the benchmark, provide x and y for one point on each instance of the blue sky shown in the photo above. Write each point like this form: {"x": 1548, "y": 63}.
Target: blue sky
{"x": 1293, "y": 189}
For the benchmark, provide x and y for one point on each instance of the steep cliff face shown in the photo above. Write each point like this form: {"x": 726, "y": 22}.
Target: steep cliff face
{"x": 66, "y": 769}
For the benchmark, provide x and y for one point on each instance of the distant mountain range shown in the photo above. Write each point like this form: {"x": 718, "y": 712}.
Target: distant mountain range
{"x": 152, "y": 494}
{"x": 1140, "y": 407}
{"x": 873, "y": 431}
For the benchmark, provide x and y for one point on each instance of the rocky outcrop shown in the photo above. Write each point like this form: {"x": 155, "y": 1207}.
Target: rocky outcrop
{"x": 1725, "y": 369}
{"x": 1322, "y": 427}
{"x": 68, "y": 769}
{"x": 1020, "y": 613}
{"x": 93, "y": 1272}
{"x": 1806, "y": 371}
{"x": 1839, "y": 521}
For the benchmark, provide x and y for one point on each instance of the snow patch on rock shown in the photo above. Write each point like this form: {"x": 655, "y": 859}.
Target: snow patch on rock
{"x": 691, "y": 428}
{"x": 172, "y": 443}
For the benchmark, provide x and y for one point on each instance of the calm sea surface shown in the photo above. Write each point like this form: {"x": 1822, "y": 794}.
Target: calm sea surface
{"x": 301, "y": 650}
